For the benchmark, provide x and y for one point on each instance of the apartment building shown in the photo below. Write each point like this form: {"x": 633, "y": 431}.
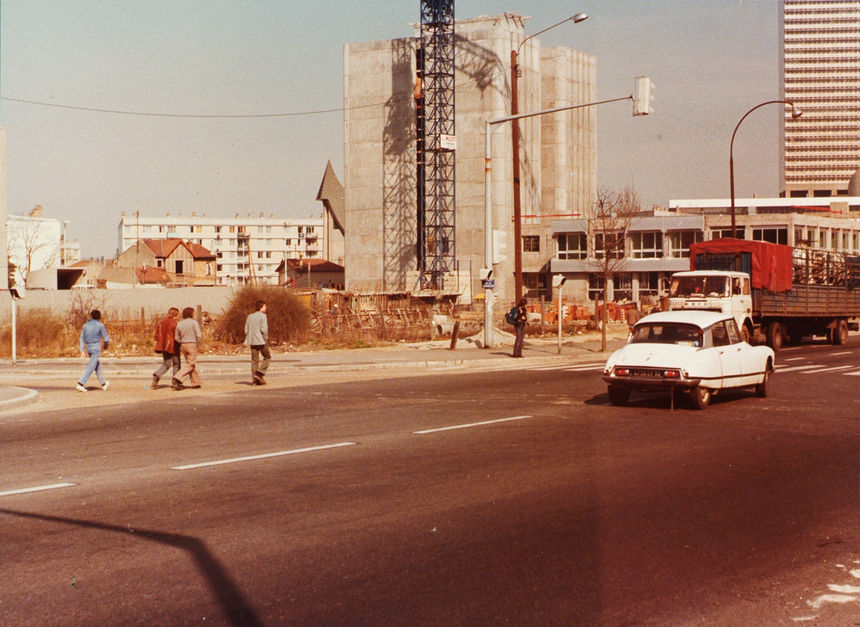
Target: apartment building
{"x": 821, "y": 75}
{"x": 247, "y": 249}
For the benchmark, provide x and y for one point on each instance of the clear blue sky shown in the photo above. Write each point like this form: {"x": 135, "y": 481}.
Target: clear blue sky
{"x": 711, "y": 61}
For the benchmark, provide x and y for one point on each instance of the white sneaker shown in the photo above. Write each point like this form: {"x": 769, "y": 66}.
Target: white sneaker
{"x": 105, "y": 385}
{"x": 80, "y": 388}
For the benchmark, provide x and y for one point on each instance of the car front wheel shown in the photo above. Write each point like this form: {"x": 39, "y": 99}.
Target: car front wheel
{"x": 618, "y": 395}
{"x": 701, "y": 397}
{"x": 762, "y": 388}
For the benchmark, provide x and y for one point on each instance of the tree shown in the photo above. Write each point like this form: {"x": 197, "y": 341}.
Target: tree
{"x": 608, "y": 226}
{"x": 32, "y": 244}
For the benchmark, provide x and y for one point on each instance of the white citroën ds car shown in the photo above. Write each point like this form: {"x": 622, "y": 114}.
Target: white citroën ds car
{"x": 701, "y": 352}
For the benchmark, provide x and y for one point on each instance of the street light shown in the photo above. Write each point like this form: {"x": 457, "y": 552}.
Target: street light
{"x": 795, "y": 113}
{"x": 515, "y": 141}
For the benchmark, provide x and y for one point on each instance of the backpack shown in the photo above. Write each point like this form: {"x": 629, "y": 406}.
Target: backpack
{"x": 511, "y": 316}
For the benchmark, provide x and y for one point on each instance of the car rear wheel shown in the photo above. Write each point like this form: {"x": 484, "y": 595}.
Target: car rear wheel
{"x": 762, "y": 388}
{"x": 618, "y": 395}
{"x": 701, "y": 396}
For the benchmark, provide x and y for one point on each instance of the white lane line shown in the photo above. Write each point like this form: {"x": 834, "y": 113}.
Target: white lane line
{"x": 842, "y": 353}
{"x": 235, "y": 460}
{"x": 40, "y": 488}
{"x": 797, "y": 368}
{"x": 471, "y": 424}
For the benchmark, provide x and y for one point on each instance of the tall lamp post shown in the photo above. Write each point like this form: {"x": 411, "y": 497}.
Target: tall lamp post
{"x": 795, "y": 113}
{"x": 515, "y": 141}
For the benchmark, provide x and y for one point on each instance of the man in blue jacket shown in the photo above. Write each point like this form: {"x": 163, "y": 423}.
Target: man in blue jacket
{"x": 257, "y": 337}
{"x": 91, "y": 346}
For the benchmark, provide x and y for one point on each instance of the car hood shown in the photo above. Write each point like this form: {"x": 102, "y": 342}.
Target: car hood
{"x": 658, "y": 355}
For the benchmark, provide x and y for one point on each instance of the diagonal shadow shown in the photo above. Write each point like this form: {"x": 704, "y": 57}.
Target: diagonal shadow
{"x": 225, "y": 590}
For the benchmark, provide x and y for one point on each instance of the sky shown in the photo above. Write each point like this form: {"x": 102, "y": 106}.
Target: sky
{"x": 105, "y": 101}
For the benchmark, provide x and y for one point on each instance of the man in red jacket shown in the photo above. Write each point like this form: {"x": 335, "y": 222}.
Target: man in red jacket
{"x": 166, "y": 344}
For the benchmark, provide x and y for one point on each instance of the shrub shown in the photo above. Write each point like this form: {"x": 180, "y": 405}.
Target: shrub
{"x": 288, "y": 317}
{"x": 40, "y": 333}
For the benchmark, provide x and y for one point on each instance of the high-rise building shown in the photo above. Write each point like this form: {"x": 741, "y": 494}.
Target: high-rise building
{"x": 821, "y": 75}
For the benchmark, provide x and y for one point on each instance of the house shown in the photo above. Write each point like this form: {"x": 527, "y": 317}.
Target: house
{"x": 180, "y": 262}
{"x": 310, "y": 273}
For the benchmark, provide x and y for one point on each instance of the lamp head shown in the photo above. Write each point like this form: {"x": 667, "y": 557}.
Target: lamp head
{"x": 795, "y": 112}
{"x": 579, "y": 17}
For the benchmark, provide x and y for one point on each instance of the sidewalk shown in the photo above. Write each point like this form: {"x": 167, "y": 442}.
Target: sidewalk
{"x": 49, "y": 383}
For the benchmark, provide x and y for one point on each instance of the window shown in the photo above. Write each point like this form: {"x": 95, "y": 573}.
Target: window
{"x": 622, "y": 287}
{"x": 774, "y": 235}
{"x": 721, "y": 232}
{"x": 178, "y": 266}
{"x": 572, "y": 246}
{"x": 719, "y": 334}
{"x": 531, "y": 243}
{"x": 609, "y": 245}
{"x": 649, "y": 283}
{"x": 679, "y": 243}
{"x": 595, "y": 287}
{"x": 647, "y": 245}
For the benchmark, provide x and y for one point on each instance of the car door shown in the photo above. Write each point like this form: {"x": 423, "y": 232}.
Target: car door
{"x": 730, "y": 354}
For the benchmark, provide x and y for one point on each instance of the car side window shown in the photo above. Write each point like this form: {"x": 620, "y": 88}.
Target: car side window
{"x": 719, "y": 334}
{"x": 734, "y": 334}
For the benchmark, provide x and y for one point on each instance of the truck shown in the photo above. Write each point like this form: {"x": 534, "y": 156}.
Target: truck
{"x": 776, "y": 293}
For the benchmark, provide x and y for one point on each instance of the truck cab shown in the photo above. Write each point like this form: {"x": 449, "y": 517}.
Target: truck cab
{"x": 714, "y": 290}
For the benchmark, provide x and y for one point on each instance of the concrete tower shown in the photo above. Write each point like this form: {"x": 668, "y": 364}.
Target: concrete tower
{"x": 558, "y": 174}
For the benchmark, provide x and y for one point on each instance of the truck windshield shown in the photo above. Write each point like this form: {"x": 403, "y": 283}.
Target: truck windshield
{"x": 669, "y": 333}
{"x": 686, "y": 286}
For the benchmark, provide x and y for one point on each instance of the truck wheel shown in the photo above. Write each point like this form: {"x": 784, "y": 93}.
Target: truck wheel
{"x": 775, "y": 335}
{"x": 746, "y": 335}
{"x": 701, "y": 396}
{"x": 839, "y": 334}
{"x": 762, "y": 388}
{"x": 618, "y": 396}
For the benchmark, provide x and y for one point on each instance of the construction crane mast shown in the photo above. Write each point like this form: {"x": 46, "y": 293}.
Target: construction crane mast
{"x": 435, "y": 143}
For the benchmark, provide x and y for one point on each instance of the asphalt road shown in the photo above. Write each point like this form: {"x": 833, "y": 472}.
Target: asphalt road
{"x": 503, "y": 496}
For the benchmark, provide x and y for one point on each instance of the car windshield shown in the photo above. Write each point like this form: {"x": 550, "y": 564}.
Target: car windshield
{"x": 667, "y": 333}
{"x": 686, "y": 286}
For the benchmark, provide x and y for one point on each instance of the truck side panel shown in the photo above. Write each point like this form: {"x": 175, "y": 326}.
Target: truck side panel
{"x": 805, "y": 301}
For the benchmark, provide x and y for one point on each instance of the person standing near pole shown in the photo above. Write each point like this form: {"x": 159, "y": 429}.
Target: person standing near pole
{"x": 188, "y": 334}
{"x": 257, "y": 337}
{"x": 92, "y": 335}
{"x": 520, "y": 327}
{"x": 165, "y": 343}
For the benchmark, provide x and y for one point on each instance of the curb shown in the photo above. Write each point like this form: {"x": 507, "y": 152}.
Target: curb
{"x": 14, "y": 396}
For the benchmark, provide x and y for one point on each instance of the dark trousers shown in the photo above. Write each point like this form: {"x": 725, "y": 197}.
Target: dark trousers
{"x": 518, "y": 340}
{"x": 169, "y": 360}
{"x": 256, "y": 364}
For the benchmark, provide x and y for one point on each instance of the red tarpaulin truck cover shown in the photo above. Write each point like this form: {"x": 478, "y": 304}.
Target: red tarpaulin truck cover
{"x": 771, "y": 263}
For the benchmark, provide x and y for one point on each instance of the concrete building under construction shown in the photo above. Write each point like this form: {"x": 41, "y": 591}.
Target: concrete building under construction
{"x": 557, "y": 155}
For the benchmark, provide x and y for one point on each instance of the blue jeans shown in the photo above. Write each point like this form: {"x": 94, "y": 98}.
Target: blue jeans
{"x": 94, "y": 351}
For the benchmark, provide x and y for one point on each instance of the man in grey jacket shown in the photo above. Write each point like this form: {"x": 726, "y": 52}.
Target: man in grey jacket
{"x": 257, "y": 337}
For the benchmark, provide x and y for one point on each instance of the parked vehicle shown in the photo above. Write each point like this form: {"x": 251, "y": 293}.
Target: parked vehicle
{"x": 700, "y": 352}
{"x": 774, "y": 292}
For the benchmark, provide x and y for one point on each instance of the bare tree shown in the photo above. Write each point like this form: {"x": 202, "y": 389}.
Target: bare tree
{"x": 608, "y": 226}
{"x": 30, "y": 247}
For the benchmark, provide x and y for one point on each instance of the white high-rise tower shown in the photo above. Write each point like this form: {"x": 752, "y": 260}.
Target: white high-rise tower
{"x": 821, "y": 75}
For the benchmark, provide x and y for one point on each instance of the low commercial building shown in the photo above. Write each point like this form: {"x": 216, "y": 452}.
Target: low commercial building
{"x": 657, "y": 243}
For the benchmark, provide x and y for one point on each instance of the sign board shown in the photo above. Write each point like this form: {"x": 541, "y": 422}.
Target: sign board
{"x": 488, "y": 284}
{"x": 448, "y": 142}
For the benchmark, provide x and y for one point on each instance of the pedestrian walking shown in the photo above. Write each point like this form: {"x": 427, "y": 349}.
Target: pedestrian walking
{"x": 520, "y": 327}
{"x": 257, "y": 337}
{"x": 188, "y": 334}
{"x": 93, "y": 335}
{"x": 166, "y": 344}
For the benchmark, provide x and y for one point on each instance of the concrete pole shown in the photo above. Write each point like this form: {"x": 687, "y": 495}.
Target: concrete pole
{"x": 488, "y": 233}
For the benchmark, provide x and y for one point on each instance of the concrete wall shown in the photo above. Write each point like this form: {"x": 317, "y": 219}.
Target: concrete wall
{"x": 125, "y": 304}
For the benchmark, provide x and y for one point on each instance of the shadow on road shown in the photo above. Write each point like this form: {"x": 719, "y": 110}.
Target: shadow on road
{"x": 225, "y": 590}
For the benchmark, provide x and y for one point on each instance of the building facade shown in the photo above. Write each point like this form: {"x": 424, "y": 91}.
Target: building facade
{"x": 34, "y": 245}
{"x": 557, "y": 158}
{"x": 247, "y": 250}
{"x": 657, "y": 243}
{"x": 821, "y": 75}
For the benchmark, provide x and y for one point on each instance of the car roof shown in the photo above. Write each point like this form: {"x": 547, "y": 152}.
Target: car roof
{"x": 702, "y": 319}
{"x": 732, "y": 273}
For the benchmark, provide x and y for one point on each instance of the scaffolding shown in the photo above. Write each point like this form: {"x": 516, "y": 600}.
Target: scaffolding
{"x": 435, "y": 144}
